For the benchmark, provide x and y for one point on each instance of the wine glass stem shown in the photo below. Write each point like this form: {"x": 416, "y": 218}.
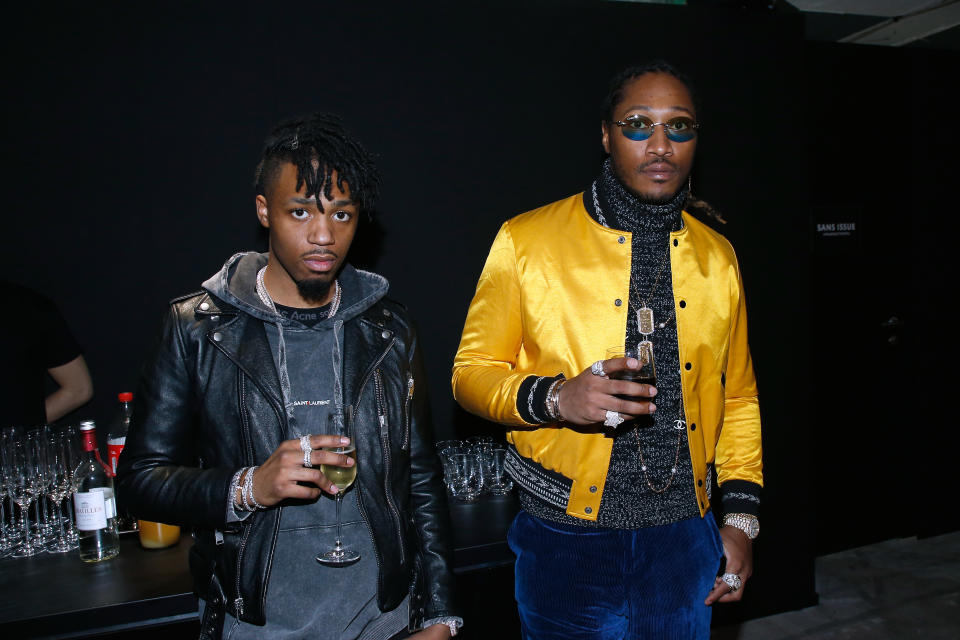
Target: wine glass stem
{"x": 338, "y": 545}
{"x": 26, "y": 526}
{"x": 3, "y": 521}
{"x": 59, "y": 516}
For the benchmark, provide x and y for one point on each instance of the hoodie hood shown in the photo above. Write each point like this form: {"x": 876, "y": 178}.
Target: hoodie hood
{"x": 236, "y": 283}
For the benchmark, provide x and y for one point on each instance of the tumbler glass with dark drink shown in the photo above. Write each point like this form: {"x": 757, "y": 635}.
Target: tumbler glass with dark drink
{"x": 643, "y": 352}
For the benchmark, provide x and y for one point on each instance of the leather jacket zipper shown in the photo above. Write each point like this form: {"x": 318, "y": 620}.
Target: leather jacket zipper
{"x": 405, "y": 445}
{"x": 356, "y": 409}
{"x": 238, "y": 602}
{"x": 387, "y": 459}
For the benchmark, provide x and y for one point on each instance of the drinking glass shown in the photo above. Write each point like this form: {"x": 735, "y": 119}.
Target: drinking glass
{"x": 643, "y": 352}
{"x": 6, "y": 541}
{"x": 57, "y": 489}
{"x": 495, "y": 478}
{"x": 340, "y": 423}
{"x": 466, "y": 477}
{"x": 70, "y": 449}
{"x": 24, "y": 485}
{"x": 45, "y": 532}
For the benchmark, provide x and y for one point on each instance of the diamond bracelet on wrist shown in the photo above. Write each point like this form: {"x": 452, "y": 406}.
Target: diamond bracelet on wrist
{"x": 749, "y": 524}
{"x": 553, "y": 399}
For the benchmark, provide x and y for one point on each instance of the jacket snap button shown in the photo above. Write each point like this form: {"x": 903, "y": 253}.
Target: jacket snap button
{"x": 387, "y": 313}
{"x": 699, "y": 483}
{"x": 593, "y": 489}
{"x": 693, "y": 426}
{"x": 618, "y": 302}
{"x": 588, "y": 510}
{"x": 675, "y": 242}
{"x": 385, "y": 334}
{"x": 215, "y": 318}
{"x": 621, "y": 239}
{"x": 204, "y": 306}
{"x": 688, "y": 366}
{"x": 217, "y": 337}
{"x": 683, "y": 304}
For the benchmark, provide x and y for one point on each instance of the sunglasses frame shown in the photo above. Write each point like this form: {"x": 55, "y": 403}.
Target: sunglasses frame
{"x": 667, "y": 129}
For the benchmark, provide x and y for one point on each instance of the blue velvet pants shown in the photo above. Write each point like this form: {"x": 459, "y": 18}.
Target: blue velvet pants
{"x": 577, "y": 583}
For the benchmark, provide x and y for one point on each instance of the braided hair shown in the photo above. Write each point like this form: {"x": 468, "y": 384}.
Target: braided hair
{"x": 318, "y": 144}
{"x": 614, "y": 95}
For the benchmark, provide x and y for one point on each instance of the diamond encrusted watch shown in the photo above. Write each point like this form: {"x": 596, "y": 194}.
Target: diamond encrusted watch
{"x": 747, "y": 523}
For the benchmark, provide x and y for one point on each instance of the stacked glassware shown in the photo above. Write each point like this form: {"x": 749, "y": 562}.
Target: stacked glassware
{"x": 36, "y": 479}
{"x": 474, "y": 467}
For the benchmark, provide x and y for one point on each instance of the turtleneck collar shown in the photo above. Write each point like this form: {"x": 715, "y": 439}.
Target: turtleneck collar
{"x": 627, "y": 212}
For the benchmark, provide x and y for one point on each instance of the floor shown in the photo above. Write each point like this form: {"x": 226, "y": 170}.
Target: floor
{"x": 906, "y": 588}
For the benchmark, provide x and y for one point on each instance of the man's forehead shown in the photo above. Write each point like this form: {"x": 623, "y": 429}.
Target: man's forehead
{"x": 656, "y": 91}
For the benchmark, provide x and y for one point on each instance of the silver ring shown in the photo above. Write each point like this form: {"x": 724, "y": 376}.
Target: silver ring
{"x": 597, "y": 369}
{"x": 613, "y": 419}
{"x": 306, "y": 448}
{"x": 733, "y": 581}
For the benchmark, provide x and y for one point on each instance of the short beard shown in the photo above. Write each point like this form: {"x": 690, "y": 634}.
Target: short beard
{"x": 313, "y": 289}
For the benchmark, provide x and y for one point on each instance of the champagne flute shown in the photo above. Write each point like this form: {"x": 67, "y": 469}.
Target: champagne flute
{"x": 339, "y": 423}
{"x": 6, "y": 542}
{"x": 57, "y": 490}
{"x": 71, "y": 458}
{"x": 24, "y": 486}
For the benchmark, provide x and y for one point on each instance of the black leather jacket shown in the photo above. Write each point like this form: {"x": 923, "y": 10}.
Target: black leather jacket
{"x": 210, "y": 402}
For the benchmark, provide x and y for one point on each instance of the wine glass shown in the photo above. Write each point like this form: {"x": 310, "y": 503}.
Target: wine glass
{"x": 44, "y": 527}
{"x": 339, "y": 423}
{"x": 57, "y": 489}
{"x": 6, "y": 541}
{"x": 71, "y": 458}
{"x": 24, "y": 485}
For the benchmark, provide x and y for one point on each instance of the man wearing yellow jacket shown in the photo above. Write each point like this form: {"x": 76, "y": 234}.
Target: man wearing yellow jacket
{"x": 617, "y": 537}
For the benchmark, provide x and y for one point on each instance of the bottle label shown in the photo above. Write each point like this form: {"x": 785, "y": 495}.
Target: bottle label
{"x": 91, "y": 510}
{"x": 114, "y": 447}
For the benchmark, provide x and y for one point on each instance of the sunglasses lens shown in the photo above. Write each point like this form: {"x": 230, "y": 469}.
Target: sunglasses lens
{"x": 681, "y": 129}
{"x": 637, "y": 128}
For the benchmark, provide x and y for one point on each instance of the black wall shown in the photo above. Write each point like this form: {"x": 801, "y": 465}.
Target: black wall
{"x": 133, "y": 133}
{"x": 882, "y": 147}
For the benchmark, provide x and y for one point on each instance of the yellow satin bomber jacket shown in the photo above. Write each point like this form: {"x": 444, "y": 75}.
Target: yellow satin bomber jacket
{"x": 553, "y": 298}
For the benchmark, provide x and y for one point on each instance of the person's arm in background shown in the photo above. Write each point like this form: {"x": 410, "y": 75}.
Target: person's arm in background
{"x": 76, "y": 388}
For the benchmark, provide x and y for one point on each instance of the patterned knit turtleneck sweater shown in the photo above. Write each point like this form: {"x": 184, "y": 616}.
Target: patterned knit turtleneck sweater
{"x": 628, "y": 501}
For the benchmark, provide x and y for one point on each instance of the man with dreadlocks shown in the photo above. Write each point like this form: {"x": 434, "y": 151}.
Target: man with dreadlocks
{"x": 616, "y": 538}
{"x": 230, "y": 427}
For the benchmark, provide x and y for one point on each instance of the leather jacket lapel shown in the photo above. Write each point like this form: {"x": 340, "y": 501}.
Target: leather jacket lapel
{"x": 365, "y": 344}
{"x": 244, "y": 341}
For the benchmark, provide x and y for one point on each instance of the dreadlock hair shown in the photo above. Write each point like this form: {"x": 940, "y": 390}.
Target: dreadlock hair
{"x": 615, "y": 94}
{"x": 318, "y": 144}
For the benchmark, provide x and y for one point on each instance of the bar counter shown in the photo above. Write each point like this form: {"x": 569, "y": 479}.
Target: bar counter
{"x": 59, "y": 596}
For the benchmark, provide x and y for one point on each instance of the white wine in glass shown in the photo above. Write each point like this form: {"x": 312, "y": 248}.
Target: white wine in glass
{"x": 339, "y": 423}
{"x": 343, "y": 477}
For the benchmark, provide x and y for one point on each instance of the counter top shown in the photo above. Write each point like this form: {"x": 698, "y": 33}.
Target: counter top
{"x": 57, "y": 595}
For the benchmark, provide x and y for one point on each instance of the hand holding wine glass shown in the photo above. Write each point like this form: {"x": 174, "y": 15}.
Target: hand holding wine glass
{"x": 285, "y": 475}
{"x": 339, "y": 423}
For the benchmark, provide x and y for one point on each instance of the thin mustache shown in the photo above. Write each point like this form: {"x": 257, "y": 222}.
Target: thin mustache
{"x": 657, "y": 161}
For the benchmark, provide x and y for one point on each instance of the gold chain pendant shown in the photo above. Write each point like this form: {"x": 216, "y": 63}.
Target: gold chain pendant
{"x": 645, "y": 320}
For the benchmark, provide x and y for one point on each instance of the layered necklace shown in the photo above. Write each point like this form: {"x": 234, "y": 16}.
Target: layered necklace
{"x": 645, "y": 327}
{"x": 268, "y": 301}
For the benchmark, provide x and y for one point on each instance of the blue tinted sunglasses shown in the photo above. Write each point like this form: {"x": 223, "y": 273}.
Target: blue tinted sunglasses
{"x": 638, "y": 127}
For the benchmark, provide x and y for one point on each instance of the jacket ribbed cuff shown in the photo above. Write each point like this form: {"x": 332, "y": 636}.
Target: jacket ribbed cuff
{"x": 532, "y": 398}
{"x": 740, "y": 496}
